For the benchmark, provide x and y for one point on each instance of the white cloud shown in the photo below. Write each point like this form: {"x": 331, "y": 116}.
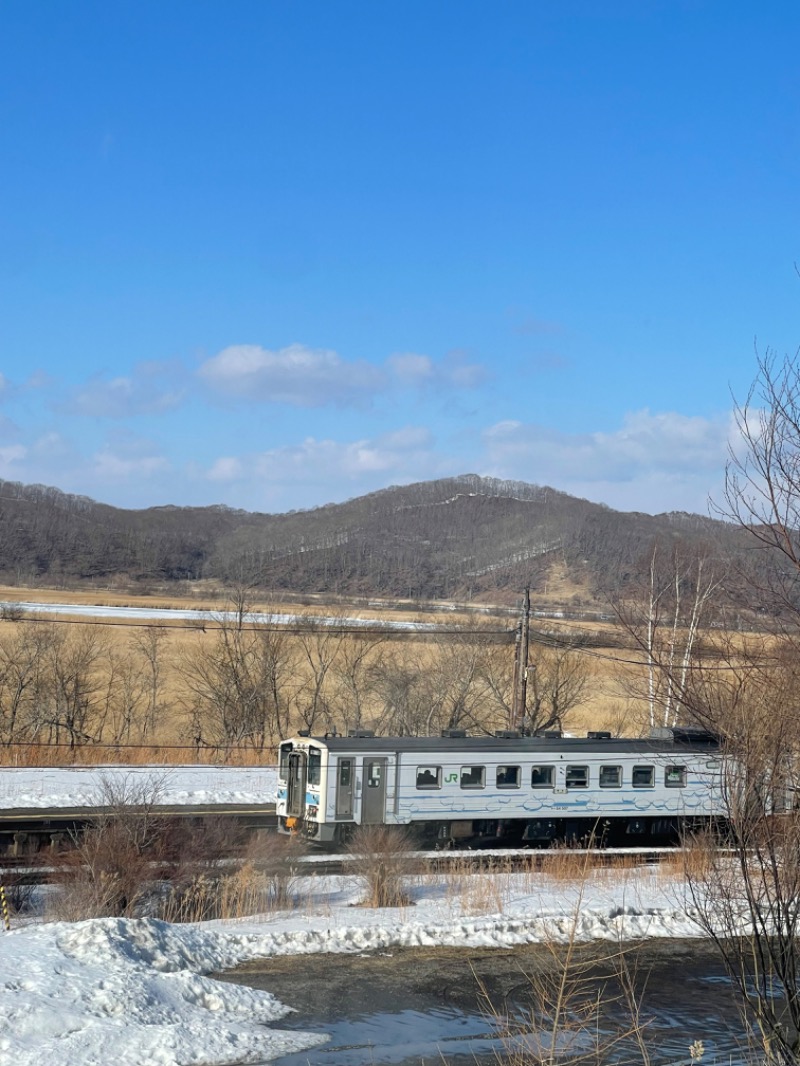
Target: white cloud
{"x": 338, "y": 468}
{"x": 297, "y": 375}
{"x": 410, "y": 369}
{"x": 128, "y": 457}
{"x": 10, "y": 459}
{"x": 457, "y": 371}
{"x": 653, "y": 462}
{"x": 152, "y": 388}
{"x": 315, "y": 460}
{"x": 108, "y": 466}
{"x": 226, "y": 469}
{"x": 39, "y": 379}
{"x": 50, "y": 446}
{"x": 316, "y": 377}
{"x": 644, "y": 442}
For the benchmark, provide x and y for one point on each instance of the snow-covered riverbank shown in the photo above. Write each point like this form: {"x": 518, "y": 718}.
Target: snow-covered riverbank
{"x": 134, "y": 992}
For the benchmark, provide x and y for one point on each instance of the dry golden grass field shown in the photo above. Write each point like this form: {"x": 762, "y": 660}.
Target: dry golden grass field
{"x": 320, "y": 666}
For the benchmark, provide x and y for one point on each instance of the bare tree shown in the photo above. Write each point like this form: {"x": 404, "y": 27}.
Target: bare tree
{"x": 320, "y": 645}
{"x": 762, "y": 485}
{"x": 747, "y": 897}
{"x": 402, "y": 697}
{"x": 455, "y": 686}
{"x": 747, "y": 688}
{"x": 148, "y": 647}
{"x": 467, "y": 682}
{"x": 20, "y": 665}
{"x": 666, "y": 618}
{"x": 71, "y": 694}
{"x": 127, "y": 693}
{"x": 559, "y": 681}
{"x": 235, "y": 682}
{"x": 355, "y": 672}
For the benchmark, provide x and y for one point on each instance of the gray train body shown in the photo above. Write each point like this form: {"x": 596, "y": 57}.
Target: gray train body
{"x": 534, "y": 790}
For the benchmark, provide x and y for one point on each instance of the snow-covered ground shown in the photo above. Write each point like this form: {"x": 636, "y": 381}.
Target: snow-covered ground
{"x": 134, "y": 992}
{"x": 199, "y": 618}
{"x": 91, "y": 786}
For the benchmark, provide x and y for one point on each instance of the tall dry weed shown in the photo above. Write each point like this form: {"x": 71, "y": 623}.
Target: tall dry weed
{"x": 583, "y": 1006}
{"x": 382, "y": 859}
{"x": 567, "y": 863}
{"x": 240, "y": 894}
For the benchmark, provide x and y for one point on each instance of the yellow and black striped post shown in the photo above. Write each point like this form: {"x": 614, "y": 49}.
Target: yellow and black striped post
{"x": 4, "y": 908}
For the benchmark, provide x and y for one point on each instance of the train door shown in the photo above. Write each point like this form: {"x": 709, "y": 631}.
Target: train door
{"x": 373, "y": 802}
{"x": 344, "y": 788}
{"x": 296, "y": 784}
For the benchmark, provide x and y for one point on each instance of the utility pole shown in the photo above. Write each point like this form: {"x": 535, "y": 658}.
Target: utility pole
{"x": 513, "y": 714}
{"x": 519, "y": 700}
{"x": 526, "y": 632}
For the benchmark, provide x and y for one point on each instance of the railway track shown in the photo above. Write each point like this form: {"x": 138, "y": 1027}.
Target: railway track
{"x": 39, "y": 869}
{"x": 25, "y": 831}
{"x": 495, "y": 860}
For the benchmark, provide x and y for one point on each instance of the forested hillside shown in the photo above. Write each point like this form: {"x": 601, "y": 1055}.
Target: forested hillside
{"x": 463, "y": 538}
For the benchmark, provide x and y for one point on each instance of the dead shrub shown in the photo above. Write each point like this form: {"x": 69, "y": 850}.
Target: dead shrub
{"x": 276, "y": 858}
{"x": 123, "y": 862}
{"x": 112, "y": 866}
{"x": 584, "y": 1007}
{"x": 382, "y": 859}
{"x": 263, "y": 879}
{"x": 106, "y": 873}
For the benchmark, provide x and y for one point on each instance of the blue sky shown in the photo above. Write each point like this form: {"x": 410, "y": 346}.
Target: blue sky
{"x": 276, "y": 254}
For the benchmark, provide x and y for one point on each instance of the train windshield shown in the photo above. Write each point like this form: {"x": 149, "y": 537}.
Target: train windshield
{"x": 283, "y": 762}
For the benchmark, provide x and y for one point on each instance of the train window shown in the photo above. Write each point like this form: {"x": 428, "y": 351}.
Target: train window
{"x": 508, "y": 776}
{"x": 610, "y": 777}
{"x": 643, "y": 776}
{"x": 374, "y": 774}
{"x": 541, "y": 777}
{"x": 314, "y": 766}
{"x": 577, "y": 777}
{"x": 345, "y": 772}
{"x": 283, "y": 767}
{"x": 429, "y": 777}
{"x": 473, "y": 776}
{"x": 675, "y": 776}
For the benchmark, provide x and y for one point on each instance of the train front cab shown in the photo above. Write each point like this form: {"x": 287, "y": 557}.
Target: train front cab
{"x": 300, "y": 795}
{"x": 324, "y": 794}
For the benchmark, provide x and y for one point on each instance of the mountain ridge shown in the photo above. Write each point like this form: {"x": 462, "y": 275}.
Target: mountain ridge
{"x": 463, "y": 537}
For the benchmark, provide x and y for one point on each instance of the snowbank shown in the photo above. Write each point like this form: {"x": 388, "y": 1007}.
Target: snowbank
{"x": 135, "y": 992}
{"x": 23, "y": 788}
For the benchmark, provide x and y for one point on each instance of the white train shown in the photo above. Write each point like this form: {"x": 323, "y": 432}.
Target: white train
{"x": 536, "y": 790}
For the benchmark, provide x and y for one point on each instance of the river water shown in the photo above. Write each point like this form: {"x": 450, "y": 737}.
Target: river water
{"x": 471, "y": 1008}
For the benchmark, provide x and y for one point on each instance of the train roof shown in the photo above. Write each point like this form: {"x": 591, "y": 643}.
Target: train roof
{"x": 667, "y": 740}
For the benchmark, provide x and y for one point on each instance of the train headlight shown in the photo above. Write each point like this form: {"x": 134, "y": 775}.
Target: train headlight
{"x": 312, "y": 811}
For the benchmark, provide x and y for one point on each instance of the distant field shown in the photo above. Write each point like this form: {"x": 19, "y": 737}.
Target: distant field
{"x": 608, "y": 704}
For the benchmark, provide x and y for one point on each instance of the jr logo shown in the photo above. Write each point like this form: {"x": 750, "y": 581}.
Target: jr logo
{"x": 452, "y": 777}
